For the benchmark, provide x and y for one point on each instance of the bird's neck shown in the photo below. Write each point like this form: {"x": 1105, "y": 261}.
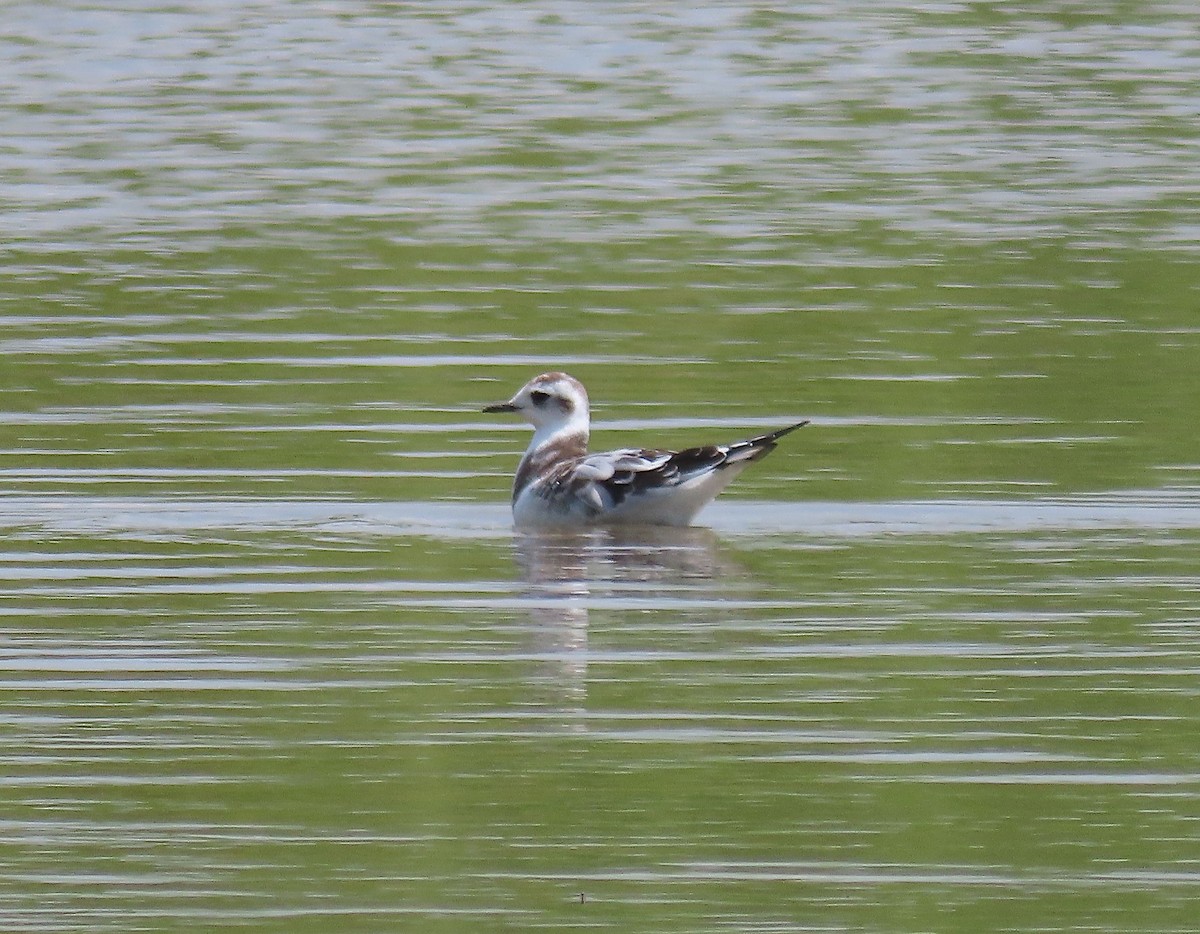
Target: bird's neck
{"x": 548, "y": 448}
{"x": 570, "y": 437}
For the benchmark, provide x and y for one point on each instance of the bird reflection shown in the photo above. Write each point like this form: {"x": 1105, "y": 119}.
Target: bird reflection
{"x": 571, "y": 572}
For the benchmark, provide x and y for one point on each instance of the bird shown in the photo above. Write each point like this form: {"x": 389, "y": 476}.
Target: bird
{"x": 558, "y": 483}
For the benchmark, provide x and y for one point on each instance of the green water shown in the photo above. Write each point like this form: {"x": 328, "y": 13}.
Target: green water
{"x": 271, "y": 655}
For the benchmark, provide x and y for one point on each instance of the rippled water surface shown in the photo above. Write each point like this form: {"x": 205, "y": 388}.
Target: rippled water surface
{"x": 273, "y": 657}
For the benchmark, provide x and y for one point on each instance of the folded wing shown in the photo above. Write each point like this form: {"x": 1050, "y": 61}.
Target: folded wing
{"x": 603, "y": 482}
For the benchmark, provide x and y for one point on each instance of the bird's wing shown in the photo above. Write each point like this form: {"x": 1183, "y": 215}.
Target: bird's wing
{"x": 604, "y": 481}
{"x": 601, "y": 481}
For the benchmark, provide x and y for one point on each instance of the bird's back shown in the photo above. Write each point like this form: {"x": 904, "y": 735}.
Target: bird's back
{"x": 632, "y": 485}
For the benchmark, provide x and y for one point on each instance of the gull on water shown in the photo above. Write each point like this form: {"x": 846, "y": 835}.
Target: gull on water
{"x": 559, "y": 483}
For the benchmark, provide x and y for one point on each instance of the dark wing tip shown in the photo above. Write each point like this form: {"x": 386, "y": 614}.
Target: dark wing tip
{"x": 758, "y": 448}
{"x": 776, "y": 435}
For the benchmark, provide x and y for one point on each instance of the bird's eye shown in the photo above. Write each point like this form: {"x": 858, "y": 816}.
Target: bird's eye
{"x": 539, "y": 397}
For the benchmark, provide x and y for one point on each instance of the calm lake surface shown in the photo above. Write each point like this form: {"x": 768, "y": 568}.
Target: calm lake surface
{"x": 271, "y": 654}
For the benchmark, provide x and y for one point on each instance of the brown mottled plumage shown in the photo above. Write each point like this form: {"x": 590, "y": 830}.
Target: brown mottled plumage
{"x": 558, "y": 482}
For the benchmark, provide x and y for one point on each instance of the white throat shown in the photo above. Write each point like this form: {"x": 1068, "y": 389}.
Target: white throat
{"x": 577, "y": 424}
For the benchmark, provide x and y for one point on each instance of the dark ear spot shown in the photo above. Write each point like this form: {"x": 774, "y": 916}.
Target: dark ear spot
{"x": 566, "y": 405}
{"x": 538, "y": 397}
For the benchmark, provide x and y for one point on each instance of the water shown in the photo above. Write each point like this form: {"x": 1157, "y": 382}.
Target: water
{"x": 272, "y": 655}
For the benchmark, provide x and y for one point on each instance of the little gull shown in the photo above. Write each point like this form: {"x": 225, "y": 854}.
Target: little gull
{"x": 559, "y": 483}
